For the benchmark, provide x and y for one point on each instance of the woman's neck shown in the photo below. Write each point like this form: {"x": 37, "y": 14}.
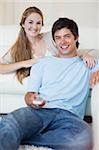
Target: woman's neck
{"x": 37, "y": 45}
{"x": 33, "y": 40}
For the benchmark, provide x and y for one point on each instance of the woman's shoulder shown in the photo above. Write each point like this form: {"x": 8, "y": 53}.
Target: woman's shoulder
{"x": 49, "y": 42}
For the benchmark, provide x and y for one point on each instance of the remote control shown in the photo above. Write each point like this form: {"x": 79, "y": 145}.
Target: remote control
{"x": 38, "y": 101}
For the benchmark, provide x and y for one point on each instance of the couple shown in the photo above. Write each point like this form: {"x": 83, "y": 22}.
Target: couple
{"x": 31, "y": 45}
{"x": 62, "y": 82}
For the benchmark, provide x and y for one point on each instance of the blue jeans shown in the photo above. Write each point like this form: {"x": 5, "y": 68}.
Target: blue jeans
{"x": 55, "y": 128}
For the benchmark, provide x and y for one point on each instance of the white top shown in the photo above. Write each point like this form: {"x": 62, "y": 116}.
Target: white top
{"x": 51, "y": 50}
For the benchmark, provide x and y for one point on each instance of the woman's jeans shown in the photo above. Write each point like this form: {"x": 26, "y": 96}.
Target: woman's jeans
{"x": 54, "y": 128}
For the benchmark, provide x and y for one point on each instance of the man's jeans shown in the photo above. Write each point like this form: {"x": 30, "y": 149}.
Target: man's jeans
{"x": 54, "y": 128}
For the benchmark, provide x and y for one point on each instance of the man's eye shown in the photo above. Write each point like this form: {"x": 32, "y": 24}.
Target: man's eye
{"x": 57, "y": 38}
{"x": 67, "y": 36}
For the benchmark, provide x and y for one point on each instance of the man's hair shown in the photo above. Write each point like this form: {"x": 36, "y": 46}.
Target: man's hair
{"x": 69, "y": 24}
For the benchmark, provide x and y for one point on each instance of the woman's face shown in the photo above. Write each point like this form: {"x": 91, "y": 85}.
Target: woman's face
{"x": 32, "y": 25}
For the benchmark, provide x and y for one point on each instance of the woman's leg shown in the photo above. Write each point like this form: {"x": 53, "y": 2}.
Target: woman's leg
{"x": 18, "y": 125}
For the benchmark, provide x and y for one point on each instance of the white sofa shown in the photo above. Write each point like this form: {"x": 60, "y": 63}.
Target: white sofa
{"x": 12, "y": 92}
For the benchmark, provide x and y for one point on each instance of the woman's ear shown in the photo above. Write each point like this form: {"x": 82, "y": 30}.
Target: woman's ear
{"x": 22, "y": 25}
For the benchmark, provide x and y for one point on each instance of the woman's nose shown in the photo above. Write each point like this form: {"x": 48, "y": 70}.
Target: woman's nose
{"x": 34, "y": 26}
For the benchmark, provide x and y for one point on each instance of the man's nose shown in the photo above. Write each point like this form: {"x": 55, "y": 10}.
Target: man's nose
{"x": 63, "y": 40}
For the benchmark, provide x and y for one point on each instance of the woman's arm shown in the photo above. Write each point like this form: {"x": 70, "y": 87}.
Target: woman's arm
{"x": 87, "y": 58}
{"x": 7, "y": 68}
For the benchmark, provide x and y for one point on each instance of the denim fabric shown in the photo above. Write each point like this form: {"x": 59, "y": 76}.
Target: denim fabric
{"x": 54, "y": 128}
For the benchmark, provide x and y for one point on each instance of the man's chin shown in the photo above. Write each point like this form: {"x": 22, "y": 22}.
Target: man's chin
{"x": 65, "y": 52}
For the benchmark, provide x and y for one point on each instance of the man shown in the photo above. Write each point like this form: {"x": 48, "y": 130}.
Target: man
{"x": 62, "y": 82}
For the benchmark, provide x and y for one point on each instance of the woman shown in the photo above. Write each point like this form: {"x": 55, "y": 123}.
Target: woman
{"x": 30, "y": 46}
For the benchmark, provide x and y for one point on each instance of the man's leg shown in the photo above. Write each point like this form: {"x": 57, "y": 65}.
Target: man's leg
{"x": 65, "y": 132}
{"x": 18, "y": 125}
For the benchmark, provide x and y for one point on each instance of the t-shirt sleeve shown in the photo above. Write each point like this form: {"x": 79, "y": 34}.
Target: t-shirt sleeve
{"x": 35, "y": 78}
{"x": 6, "y": 58}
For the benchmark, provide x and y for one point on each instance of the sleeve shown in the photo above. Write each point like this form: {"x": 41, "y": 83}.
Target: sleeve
{"x": 35, "y": 79}
{"x": 49, "y": 41}
{"x": 6, "y": 59}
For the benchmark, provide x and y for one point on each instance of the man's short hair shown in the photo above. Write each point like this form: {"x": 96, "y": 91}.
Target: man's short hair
{"x": 69, "y": 24}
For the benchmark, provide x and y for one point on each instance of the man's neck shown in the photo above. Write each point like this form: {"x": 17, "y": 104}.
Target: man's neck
{"x": 67, "y": 55}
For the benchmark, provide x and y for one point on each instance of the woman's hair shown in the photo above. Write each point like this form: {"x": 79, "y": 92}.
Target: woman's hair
{"x": 21, "y": 50}
{"x": 69, "y": 24}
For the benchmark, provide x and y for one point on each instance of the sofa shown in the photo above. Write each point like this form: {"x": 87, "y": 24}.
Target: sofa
{"x": 12, "y": 92}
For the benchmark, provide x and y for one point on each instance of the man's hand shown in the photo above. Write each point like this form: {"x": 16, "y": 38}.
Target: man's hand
{"x": 30, "y": 97}
{"x": 94, "y": 78}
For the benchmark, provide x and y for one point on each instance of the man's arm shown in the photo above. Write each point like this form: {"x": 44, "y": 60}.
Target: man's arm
{"x": 33, "y": 85}
{"x": 35, "y": 78}
{"x": 94, "y": 78}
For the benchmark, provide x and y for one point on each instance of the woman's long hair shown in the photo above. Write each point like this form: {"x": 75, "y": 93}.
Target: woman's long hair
{"x": 21, "y": 50}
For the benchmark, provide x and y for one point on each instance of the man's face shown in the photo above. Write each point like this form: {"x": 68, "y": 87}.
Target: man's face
{"x": 65, "y": 43}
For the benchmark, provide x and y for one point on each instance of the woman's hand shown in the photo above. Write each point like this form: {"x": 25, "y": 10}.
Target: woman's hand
{"x": 94, "y": 78}
{"x": 89, "y": 60}
{"x": 32, "y": 96}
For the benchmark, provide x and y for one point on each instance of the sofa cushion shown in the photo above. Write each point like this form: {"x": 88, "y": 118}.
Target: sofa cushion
{"x": 10, "y": 84}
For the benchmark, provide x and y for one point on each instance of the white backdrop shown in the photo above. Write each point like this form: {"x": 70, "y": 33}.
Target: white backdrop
{"x": 84, "y": 12}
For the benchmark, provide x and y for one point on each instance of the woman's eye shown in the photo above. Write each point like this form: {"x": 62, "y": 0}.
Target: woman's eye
{"x": 30, "y": 22}
{"x": 39, "y": 23}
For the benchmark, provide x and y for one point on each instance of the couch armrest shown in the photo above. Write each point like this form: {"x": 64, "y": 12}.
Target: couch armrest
{"x": 95, "y": 115}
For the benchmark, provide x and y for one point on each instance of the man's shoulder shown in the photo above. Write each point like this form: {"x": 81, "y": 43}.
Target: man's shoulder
{"x": 42, "y": 61}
